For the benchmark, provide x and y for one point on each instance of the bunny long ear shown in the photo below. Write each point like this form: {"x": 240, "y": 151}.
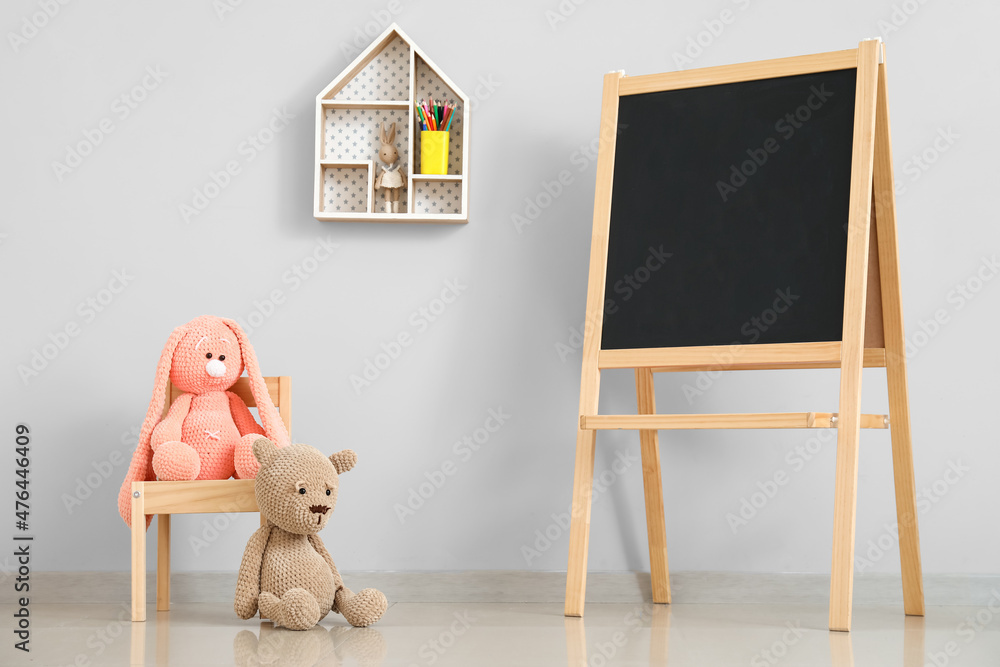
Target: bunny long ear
{"x": 274, "y": 428}
{"x": 392, "y": 133}
{"x": 141, "y": 468}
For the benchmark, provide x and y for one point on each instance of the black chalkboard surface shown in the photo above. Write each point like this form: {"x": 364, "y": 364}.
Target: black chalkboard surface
{"x": 729, "y": 213}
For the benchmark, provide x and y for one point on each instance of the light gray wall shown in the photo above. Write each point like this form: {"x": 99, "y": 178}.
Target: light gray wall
{"x": 497, "y": 347}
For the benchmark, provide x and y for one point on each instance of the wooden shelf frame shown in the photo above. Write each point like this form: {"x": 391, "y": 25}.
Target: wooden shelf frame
{"x": 436, "y": 177}
{"x": 365, "y": 104}
{"x": 325, "y": 100}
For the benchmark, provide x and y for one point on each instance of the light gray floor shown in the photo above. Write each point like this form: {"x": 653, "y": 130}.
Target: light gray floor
{"x": 472, "y": 634}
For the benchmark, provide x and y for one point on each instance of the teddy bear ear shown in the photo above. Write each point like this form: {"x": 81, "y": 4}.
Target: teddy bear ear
{"x": 264, "y": 451}
{"x": 343, "y": 460}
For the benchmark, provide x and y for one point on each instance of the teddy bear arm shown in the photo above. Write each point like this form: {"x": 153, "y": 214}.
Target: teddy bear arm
{"x": 248, "y": 580}
{"x": 242, "y": 416}
{"x": 170, "y": 426}
{"x": 320, "y": 548}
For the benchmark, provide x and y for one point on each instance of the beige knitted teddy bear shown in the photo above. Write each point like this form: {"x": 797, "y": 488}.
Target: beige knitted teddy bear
{"x": 286, "y": 571}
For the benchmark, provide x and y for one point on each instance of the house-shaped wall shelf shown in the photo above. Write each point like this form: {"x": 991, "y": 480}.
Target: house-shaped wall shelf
{"x": 383, "y": 85}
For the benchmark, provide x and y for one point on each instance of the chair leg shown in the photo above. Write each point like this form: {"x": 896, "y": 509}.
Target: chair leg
{"x": 138, "y": 553}
{"x": 162, "y": 562}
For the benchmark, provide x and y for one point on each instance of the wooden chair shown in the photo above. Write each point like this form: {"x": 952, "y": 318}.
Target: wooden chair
{"x": 195, "y": 497}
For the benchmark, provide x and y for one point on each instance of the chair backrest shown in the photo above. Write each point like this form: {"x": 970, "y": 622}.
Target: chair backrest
{"x": 278, "y": 386}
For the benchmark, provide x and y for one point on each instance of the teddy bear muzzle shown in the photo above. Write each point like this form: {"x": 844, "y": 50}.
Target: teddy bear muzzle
{"x": 320, "y": 510}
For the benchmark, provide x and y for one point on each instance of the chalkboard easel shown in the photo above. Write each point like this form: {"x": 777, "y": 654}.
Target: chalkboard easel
{"x": 775, "y": 215}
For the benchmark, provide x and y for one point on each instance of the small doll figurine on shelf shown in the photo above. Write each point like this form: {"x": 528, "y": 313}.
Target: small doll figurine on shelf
{"x": 390, "y": 177}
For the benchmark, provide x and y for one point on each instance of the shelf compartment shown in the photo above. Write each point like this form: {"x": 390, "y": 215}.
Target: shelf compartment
{"x": 352, "y": 133}
{"x": 347, "y": 187}
{"x": 429, "y": 84}
{"x": 437, "y": 195}
{"x": 385, "y": 77}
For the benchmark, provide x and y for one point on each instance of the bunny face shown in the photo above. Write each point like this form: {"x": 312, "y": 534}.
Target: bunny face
{"x": 388, "y": 154}
{"x": 207, "y": 358}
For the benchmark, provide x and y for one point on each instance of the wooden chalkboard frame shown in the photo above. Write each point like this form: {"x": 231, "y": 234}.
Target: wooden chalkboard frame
{"x": 872, "y": 337}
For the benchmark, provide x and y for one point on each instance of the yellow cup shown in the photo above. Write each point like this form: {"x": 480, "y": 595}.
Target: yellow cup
{"x": 433, "y": 152}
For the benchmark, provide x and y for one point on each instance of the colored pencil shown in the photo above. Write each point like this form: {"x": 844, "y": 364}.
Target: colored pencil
{"x": 436, "y": 116}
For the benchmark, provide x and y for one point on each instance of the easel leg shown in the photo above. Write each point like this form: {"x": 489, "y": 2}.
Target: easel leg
{"x": 895, "y": 353}
{"x": 162, "y": 562}
{"x": 656, "y": 530}
{"x": 590, "y": 375}
{"x": 138, "y": 553}
{"x": 852, "y": 345}
{"x": 845, "y": 501}
{"x": 579, "y": 528}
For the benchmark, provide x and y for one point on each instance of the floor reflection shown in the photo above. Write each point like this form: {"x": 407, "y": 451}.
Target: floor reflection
{"x": 267, "y": 645}
{"x": 308, "y": 648}
{"x": 523, "y": 634}
{"x": 756, "y": 638}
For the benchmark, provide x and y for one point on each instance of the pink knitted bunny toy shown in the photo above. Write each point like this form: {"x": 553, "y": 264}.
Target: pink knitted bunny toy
{"x": 209, "y": 431}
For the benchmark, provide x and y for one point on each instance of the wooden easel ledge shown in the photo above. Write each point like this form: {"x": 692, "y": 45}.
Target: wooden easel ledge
{"x": 761, "y": 420}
